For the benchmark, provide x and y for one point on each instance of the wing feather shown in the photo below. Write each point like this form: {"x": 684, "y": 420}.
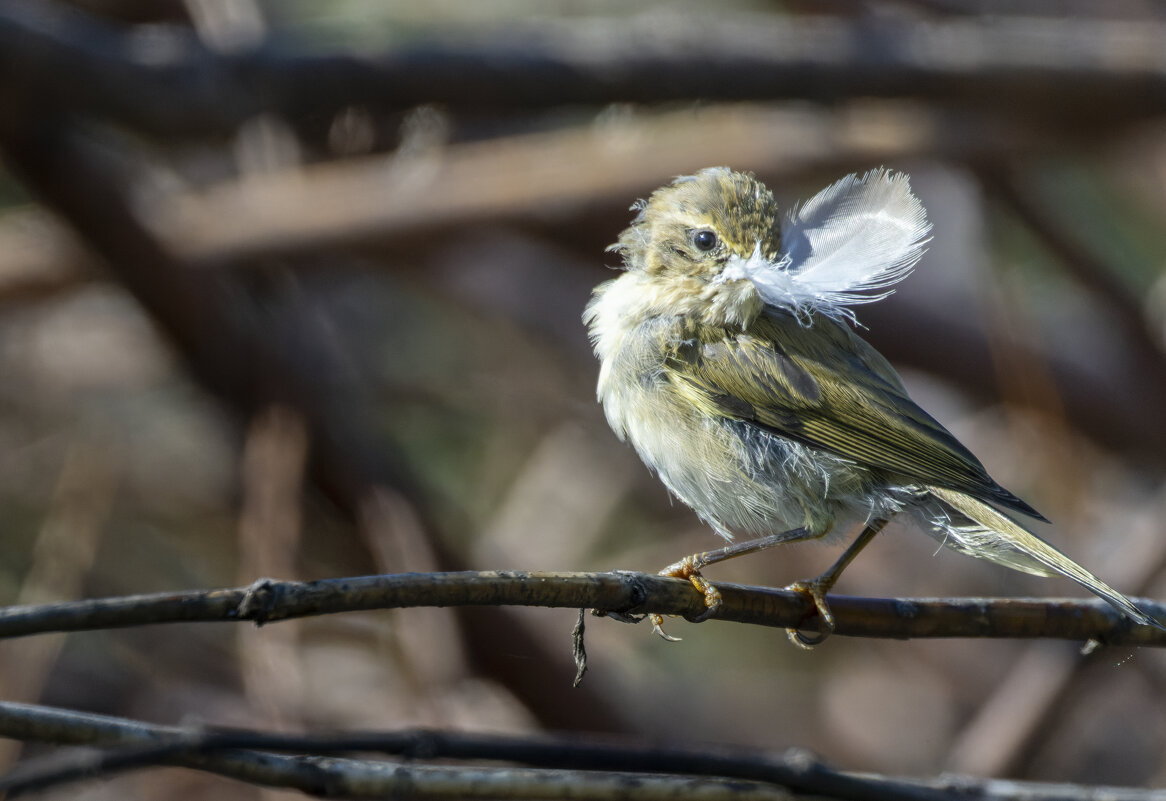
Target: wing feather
{"x": 825, "y": 387}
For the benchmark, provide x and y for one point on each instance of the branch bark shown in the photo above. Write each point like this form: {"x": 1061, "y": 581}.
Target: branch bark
{"x": 617, "y": 593}
{"x": 575, "y": 767}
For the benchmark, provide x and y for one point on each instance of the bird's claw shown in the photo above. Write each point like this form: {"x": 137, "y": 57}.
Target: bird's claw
{"x": 658, "y": 627}
{"x": 816, "y": 589}
{"x": 689, "y": 568}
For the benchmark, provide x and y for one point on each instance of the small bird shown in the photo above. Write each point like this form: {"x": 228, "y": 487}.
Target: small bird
{"x": 729, "y": 362}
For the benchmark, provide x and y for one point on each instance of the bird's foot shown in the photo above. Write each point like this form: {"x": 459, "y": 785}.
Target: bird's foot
{"x": 816, "y": 589}
{"x": 689, "y": 568}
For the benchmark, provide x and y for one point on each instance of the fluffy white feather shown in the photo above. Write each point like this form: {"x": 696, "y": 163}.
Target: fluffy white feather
{"x": 848, "y": 244}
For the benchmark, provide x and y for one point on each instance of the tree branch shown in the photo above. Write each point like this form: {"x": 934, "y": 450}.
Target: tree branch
{"x": 403, "y": 201}
{"x": 1093, "y": 71}
{"x": 389, "y": 203}
{"x": 580, "y": 767}
{"x": 618, "y": 593}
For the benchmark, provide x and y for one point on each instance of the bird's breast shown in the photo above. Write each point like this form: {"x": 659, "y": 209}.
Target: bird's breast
{"x": 735, "y": 475}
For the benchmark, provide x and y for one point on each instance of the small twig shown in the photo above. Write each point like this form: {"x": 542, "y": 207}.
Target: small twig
{"x": 622, "y": 593}
{"x": 579, "y": 648}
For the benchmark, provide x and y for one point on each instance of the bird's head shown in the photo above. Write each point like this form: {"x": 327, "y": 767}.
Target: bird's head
{"x": 688, "y": 232}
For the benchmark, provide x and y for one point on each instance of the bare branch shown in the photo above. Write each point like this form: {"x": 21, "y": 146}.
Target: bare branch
{"x": 576, "y": 767}
{"x": 620, "y": 593}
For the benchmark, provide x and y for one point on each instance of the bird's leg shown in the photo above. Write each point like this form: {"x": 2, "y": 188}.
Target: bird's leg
{"x": 818, "y": 587}
{"x": 690, "y": 566}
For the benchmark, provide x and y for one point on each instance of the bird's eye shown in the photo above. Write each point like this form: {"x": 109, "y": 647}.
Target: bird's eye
{"x": 704, "y": 240}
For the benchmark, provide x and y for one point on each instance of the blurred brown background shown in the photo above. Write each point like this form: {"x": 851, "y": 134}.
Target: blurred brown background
{"x": 293, "y": 289}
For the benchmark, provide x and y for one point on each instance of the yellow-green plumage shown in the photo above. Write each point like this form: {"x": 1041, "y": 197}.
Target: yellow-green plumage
{"x": 767, "y": 419}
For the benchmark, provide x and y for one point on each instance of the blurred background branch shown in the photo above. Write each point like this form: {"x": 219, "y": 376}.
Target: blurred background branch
{"x": 1047, "y": 70}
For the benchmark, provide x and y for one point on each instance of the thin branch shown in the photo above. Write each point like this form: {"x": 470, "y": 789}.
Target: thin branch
{"x": 618, "y": 593}
{"x": 1092, "y": 71}
{"x": 576, "y": 767}
{"x": 143, "y": 745}
{"x": 333, "y": 777}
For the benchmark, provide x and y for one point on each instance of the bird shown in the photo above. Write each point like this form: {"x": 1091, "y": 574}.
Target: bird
{"x": 729, "y": 361}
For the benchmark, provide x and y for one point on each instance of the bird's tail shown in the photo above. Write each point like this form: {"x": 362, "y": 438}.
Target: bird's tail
{"x": 988, "y": 533}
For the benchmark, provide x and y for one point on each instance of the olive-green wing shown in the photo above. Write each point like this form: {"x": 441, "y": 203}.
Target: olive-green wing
{"x": 823, "y": 386}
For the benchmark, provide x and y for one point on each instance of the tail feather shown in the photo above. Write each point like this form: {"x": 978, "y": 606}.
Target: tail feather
{"x": 999, "y": 538}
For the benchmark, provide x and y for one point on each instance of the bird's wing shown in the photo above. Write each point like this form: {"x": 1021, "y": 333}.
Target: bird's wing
{"x": 825, "y": 387}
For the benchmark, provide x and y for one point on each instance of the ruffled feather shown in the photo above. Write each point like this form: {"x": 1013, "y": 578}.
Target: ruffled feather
{"x": 849, "y": 244}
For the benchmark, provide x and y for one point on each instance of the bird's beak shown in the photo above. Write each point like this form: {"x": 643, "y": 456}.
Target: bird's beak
{"x": 744, "y": 269}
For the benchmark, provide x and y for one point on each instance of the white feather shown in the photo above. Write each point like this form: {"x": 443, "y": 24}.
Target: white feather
{"x": 848, "y": 244}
